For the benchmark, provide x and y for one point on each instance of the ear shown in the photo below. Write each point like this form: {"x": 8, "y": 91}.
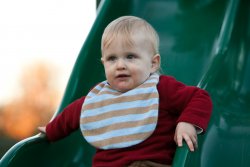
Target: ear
{"x": 102, "y": 60}
{"x": 156, "y": 61}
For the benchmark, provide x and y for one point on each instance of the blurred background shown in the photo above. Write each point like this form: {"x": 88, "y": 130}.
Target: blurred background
{"x": 39, "y": 43}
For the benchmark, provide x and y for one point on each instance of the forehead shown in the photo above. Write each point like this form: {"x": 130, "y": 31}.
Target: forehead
{"x": 136, "y": 40}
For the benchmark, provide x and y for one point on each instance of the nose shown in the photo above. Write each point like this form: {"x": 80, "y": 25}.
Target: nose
{"x": 121, "y": 64}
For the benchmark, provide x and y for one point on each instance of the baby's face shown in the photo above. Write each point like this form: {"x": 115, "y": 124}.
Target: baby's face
{"x": 126, "y": 67}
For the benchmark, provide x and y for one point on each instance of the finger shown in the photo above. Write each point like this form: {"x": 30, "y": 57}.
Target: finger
{"x": 188, "y": 141}
{"x": 196, "y": 146}
{"x": 179, "y": 139}
{"x": 195, "y": 142}
{"x": 42, "y": 129}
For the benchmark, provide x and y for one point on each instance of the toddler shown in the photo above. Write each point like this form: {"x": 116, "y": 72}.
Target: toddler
{"x": 136, "y": 117}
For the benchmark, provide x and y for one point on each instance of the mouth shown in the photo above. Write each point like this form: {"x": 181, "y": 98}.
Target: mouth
{"x": 122, "y": 76}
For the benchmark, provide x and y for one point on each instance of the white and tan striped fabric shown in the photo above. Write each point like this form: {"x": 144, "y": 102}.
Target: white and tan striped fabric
{"x": 111, "y": 119}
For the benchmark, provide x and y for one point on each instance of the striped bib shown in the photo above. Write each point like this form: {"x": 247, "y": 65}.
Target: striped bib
{"x": 111, "y": 119}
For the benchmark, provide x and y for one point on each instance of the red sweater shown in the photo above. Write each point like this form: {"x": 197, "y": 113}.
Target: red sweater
{"x": 177, "y": 103}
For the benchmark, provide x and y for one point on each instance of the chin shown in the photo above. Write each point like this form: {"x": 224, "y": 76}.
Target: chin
{"x": 123, "y": 90}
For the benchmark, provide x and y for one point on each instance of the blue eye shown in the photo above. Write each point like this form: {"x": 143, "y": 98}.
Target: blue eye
{"x": 130, "y": 56}
{"x": 111, "y": 58}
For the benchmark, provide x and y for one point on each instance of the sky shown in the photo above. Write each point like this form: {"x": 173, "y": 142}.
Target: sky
{"x": 48, "y": 31}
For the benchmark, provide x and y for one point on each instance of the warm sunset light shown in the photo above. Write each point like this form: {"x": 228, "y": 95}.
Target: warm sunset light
{"x": 40, "y": 41}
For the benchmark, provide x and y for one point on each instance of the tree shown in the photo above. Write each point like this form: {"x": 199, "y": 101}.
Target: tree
{"x": 34, "y": 103}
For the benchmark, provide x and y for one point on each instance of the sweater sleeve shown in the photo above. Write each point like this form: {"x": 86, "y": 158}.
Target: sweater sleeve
{"x": 66, "y": 122}
{"x": 198, "y": 109}
{"x": 192, "y": 104}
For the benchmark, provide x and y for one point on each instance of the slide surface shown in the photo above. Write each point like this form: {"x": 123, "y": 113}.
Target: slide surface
{"x": 204, "y": 43}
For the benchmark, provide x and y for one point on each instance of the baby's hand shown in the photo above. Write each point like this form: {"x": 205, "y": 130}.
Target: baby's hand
{"x": 187, "y": 132}
{"x": 42, "y": 129}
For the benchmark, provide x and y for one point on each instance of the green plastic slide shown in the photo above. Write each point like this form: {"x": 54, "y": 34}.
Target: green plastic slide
{"x": 205, "y": 43}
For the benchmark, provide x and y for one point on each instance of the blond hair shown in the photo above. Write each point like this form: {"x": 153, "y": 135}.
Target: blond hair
{"x": 126, "y": 25}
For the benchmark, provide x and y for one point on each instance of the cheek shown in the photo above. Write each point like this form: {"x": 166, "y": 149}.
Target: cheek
{"x": 106, "y": 67}
{"x": 145, "y": 67}
{"x": 141, "y": 73}
{"x": 108, "y": 71}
